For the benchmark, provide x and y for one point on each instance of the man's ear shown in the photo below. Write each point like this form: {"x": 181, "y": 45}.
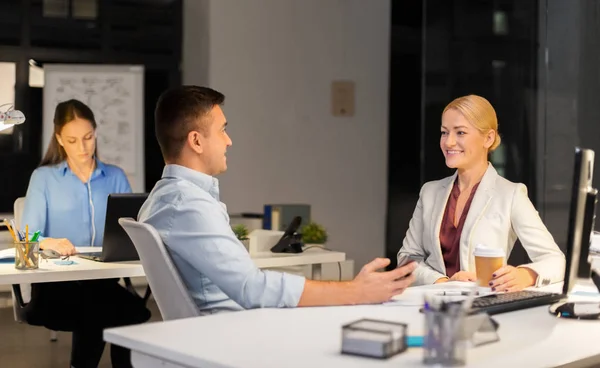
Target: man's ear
{"x": 194, "y": 140}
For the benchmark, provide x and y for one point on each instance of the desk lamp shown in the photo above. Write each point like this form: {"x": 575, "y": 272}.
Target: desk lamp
{"x": 10, "y": 117}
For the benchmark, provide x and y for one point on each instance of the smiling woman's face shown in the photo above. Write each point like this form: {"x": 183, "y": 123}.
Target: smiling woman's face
{"x": 462, "y": 144}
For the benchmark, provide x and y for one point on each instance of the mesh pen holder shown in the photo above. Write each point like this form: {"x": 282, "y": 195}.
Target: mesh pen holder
{"x": 27, "y": 255}
{"x": 449, "y": 331}
{"x": 443, "y": 343}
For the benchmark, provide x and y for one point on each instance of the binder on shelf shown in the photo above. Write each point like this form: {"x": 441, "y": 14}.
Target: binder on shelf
{"x": 279, "y": 216}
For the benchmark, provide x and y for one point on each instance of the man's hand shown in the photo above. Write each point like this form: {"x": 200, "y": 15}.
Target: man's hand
{"x": 62, "y": 246}
{"x": 509, "y": 278}
{"x": 373, "y": 286}
{"x": 464, "y": 276}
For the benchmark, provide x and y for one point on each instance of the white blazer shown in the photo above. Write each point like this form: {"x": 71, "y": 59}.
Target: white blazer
{"x": 499, "y": 213}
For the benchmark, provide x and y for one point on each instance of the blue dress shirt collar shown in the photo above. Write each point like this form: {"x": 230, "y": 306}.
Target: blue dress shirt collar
{"x": 202, "y": 180}
{"x": 63, "y": 168}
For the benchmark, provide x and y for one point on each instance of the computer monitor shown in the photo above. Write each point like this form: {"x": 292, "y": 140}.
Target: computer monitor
{"x": 581, "y": 218}
{"x": 585, "y": 268}
{"x": 117, "y": 245}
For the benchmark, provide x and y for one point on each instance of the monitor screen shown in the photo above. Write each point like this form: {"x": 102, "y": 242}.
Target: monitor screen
{"x": 583, "y": 196}
{"x": 584, "y": 269}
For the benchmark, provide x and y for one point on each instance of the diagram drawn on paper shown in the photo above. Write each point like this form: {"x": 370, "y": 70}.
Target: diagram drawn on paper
{"x": 110, "y": 97}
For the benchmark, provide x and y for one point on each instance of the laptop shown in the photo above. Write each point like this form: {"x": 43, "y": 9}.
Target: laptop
{"x": 116, "y": 245}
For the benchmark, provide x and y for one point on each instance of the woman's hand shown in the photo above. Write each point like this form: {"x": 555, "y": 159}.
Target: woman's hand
{"x": 441, "y": 279}
{"x": 464, "y": 276}
{"x": 62, "y": 246}
{"x": 509, "y": 278}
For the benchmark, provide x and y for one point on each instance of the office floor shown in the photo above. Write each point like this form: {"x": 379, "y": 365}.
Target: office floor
{"x": 24, "y": 346}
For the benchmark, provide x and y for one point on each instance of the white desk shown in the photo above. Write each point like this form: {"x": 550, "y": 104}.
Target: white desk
{"x": 311, "y": 337}
{"x": 314, "y": 257}
{"x": 86, "y": 269}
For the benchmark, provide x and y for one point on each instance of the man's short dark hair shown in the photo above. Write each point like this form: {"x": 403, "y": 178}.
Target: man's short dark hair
{"x": 180, "y": 110}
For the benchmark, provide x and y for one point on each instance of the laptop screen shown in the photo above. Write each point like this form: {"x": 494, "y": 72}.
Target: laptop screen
{"x": 117, "y": 245}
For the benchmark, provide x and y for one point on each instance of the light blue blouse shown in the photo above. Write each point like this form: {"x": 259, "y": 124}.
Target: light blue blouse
{"x": 60, "y": 205}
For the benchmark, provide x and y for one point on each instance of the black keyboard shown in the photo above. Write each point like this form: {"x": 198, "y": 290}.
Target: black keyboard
{"x": 508, "y": 302}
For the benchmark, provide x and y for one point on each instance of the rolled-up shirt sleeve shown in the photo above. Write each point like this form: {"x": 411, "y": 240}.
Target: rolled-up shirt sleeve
{"x": 199, "y": 232}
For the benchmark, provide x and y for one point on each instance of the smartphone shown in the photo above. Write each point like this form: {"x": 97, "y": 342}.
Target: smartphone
{"x": 405, "y": 259}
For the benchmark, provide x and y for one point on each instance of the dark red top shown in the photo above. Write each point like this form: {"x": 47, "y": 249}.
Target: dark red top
{"x": 449, "y": 234}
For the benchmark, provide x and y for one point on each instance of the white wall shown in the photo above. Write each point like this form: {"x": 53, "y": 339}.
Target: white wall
{"x": 275, "y": 61}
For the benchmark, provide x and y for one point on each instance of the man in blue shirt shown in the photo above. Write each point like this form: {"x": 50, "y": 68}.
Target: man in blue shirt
{"x": 185, "y": 209}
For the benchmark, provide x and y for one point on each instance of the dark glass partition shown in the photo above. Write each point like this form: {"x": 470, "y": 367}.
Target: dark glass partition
{"x": 537, "y": 62}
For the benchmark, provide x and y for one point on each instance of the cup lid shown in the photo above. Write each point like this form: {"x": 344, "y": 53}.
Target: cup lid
{"x": 485, "y": 251}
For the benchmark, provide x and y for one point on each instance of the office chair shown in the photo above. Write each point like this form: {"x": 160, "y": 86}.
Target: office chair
{"x": 171, "y": 295}
{"x": 21, "y": 293}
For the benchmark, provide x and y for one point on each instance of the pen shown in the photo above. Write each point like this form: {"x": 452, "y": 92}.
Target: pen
{"x": 455, "y": 293}
{"x": 27, "y": 245}
{"x": 10, "y": 230}
{"x": 15, "y": 229}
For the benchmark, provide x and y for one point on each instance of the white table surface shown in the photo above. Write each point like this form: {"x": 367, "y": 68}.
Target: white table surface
{"x": 308, "y": 257}
{"x": 85, "y": 269}
{"x": 311, "y": 337}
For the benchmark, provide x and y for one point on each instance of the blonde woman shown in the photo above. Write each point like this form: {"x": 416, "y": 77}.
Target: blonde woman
{"x": 477, "y": 206}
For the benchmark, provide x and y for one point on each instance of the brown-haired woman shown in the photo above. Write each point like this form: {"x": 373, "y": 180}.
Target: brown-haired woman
{"x": 66, "y": 201}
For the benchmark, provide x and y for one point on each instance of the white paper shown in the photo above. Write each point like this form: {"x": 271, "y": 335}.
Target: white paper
{"x": 88, "y": 249}
{"x": 583, "y": 293}
{"x": 7, "y": 253}
{"x": 595, "y": 243}
{"x": 452, "y": 290}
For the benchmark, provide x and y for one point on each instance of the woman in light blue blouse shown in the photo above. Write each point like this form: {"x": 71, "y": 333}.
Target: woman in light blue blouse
{"x": 66, "y": 201}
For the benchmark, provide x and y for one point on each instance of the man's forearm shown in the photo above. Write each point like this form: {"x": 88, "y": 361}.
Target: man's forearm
{"x": 329, "y": 293}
